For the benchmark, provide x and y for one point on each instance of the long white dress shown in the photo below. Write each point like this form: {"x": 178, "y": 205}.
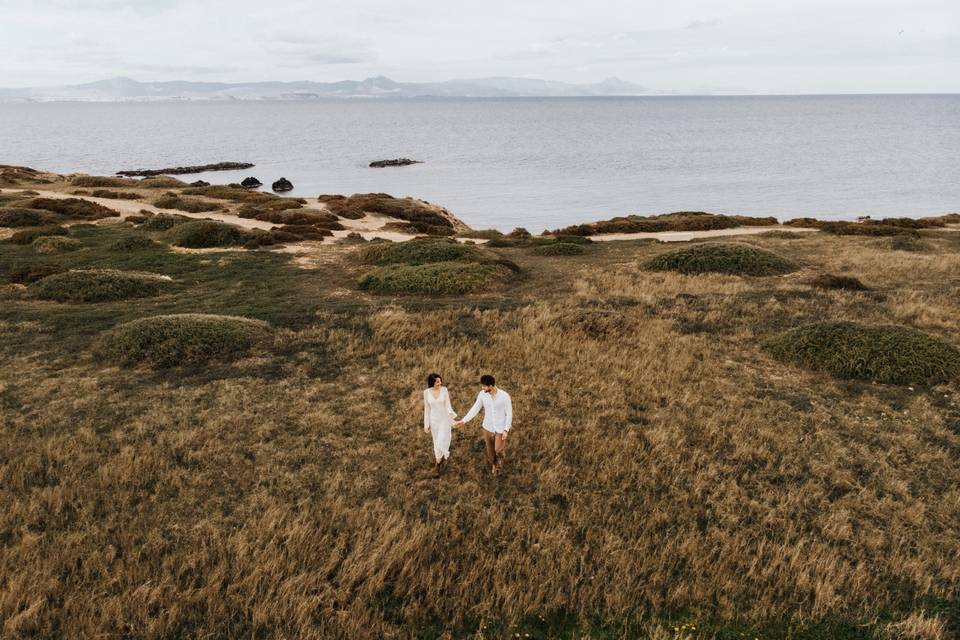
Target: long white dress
{"x": 438, "y": 416}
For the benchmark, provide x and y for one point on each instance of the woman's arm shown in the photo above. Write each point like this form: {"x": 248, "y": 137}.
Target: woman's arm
{"x": 450, "y": 410}
{"x": 426, "y": 411}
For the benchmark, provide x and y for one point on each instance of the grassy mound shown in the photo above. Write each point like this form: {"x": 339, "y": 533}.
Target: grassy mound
{"x": 441, "y": 278}
{"x": 164, "y": 222}
{"x": 418, "y": 217}
{"x": 103, "y": 181}
{"x": 201, "y": 234}
{"x": 161, "y": 182}
{"x": 133, "y": 243}
{"x": 845, "y": 283}
{"x": 74, "y": 208}
{"x": 289, "y": 216}
{"x": 736, "y": 259}
{"x": 115, "y": 195}
{"x": 246, "y": 196}
{"x": 419, "y": 251}
{"x": 190, "y": 205}
{"x": 20, "y": 217}
{"x": 99, "y": 285}
{"x": 27, "y": 236}
{"x": 887, "y": 353}
{"x": 781, "y": 234}
{"x": 677, "y": 221}
{"x": 193, "y": 338}
{"x": 30, "y": 272}
{"x": 907, "y": 243}
{"x": 559, "y": 249}
{"x": 55, "y": 244}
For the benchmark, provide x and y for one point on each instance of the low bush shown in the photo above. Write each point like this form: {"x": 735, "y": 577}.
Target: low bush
{"x": 99, "y": 285}
{"x": 677, "y": 221}
{"x": 201, "y": 234}
{"x": 160, "y": 182}
{"x": 27, "y": 236}
{"x": 133, "y": 243}
{"x": 181, "y": 339}
{"x": 731, "y": 258}
{"x": 29, "y": 272}
{"x": 103, "y": 181}
{"x": 116, "y": 195}
{"x": 419, "y": 251}
{"x": 845, "y": 283}
{"x": 440, "y": 278}
{"x": 164, "y": 222}
{"x": 292, "y": 217}
{"x": 888, "y": 353}
{"x": 781, "y": 234}
{"x": 843, "y": 228}
{"x": 305, "y": 231}
{"x": 74, "y": 208}
{"x": 480, "y": 234}
{"x": 419, "y": 217}
{"x": 55, "y": 244}
{"x": 19, "y": 217}
{"x": 190, "y": 205}
{"x": 240, "y": 194}
{"x": 520, "y": 232}
{"x": 559, "y": 249}
{"x": 907, "y": 243}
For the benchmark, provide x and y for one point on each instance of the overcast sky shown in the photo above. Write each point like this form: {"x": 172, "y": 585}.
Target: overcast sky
{"x": 764, "y": 46}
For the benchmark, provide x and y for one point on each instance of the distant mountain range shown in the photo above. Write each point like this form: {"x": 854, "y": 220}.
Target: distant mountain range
{"x": 118, "y": 89}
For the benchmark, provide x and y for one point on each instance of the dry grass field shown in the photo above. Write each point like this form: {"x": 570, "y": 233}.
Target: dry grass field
{"x": 666, "y": 477}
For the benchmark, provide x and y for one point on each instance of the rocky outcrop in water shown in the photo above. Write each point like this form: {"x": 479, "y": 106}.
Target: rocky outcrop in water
{"x": 170, "y": 171}
{"x": 396, "y": 162}
{"x": 250, "y": 183}
{"x": 200, "y": 183}
{"x": 282, "y": 185}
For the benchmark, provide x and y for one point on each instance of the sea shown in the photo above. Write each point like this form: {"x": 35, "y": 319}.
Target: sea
{"x": 538, "y": 163}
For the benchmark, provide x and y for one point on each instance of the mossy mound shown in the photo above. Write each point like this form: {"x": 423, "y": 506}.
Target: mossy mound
{"x": 103, "y": 181}
{"x": 99, "y": 285}
{"x": 731, "y": 258}
{"x": 161, "y": 182}
{"x": 887, "y": 353}
{"x": 164, "y": 222}
{"x": 14, "y": 217}
{"x": 29, "y": 235}
{"x": 30, "y": 272}
{"x": 417, "y": 215}
{"x": 419, "y": 251}
{"x": 190, "y": 205}
{"x": 440, "y": 278}
{"x": 907, "y": 243}
{"x": 133, "y": 243}
{"x": 559, "y": 249}
{"x": 115, "y": 195}
{"x": 55, "y": 244}
{"x": 75, "y": 208}
{"x": 781, "y": 234}
{"x": 845, "y": 283}
{"x": 171, "y": 340}
{"x": 676, "y": 221}
{"x": 202, "y": 234}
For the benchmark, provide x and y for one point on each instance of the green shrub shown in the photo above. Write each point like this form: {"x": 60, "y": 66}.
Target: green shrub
{"x": 731, "y": 258}
{"x": 907, "y": 243}
{"x": 322, "y": 219}
{"x": 171, "y": 340}
{"x": 842, "y": 228}
{"x": 480, "y": 234}
{"x": 99, "y": 285}
{"x": 133, "y": 243}
{"x": 117, "y": 195}
{"x": 29, "y": 272}
{"x": 190, "y": 205}
{"x": 887, "y": 353}
{"x": 74, "y": 208}
{"x": 677, "y": 221}
{"x": 201, "y": 234}
{"x": 781, "y": 234}
{"x": 520, "y": 232}
{"x": 20, "y": 217}
{"x": 440, "y": 278}
{"x": 27, "y": 236}
{"x": 240, "y": 194}
{"x": 419, "y": 251}
{"x": 164, "y": 222}
{"x": 830, "y": 281}
{"x": 559, "y": 249}
{"x": 161, "y": 182}
{"x": 418, "y": 216}
{"x": 103, "y": 181}
{"x": 55, "y": 244}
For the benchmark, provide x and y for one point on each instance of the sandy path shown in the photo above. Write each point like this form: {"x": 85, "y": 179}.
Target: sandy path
{"x": 684, "y": 236}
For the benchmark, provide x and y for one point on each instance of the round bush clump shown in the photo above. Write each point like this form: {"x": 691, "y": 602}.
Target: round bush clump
{"x": 99, "y": 285}
{"x": 845, "y": 283}
{"x": 163, "y": 222}
{"x": 890, "y": 354}
{"x": 559, "y": 249}
{"x": 907, "y": 243}
{"x": 441, "y": 278}
{"x": 735, "y": 259}
{"x": 21, "y": 217}
{"x": 132, "y": 243}
{"x": 28, "y": 235}
{"x": 202, "y": 234}
{"x": 781, "y": 234}
{"x": 418, "y": 251}
{"x": 191, "y": 338}
{"x": 55, "y": 244}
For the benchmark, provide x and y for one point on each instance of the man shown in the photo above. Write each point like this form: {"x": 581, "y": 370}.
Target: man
{"x": 497, "y": 420}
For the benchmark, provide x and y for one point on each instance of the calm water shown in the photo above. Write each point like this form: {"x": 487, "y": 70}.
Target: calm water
{"x": 539, "y": 163}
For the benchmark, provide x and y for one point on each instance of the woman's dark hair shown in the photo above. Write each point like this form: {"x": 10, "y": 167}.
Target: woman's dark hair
{"x": 432, "y": 378}
{"x": 488, "y": 380}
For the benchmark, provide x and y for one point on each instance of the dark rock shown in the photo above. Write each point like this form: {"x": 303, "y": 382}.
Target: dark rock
{"x": 200, "y": 183}
{"x": 396, "y": 162}
{"x": 250, "y": 183}
{"x": 200, "y": 168}
{"x": 282, "y": 185}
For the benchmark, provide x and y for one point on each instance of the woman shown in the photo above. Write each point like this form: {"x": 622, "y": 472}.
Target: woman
{"x": 438, "y": 418}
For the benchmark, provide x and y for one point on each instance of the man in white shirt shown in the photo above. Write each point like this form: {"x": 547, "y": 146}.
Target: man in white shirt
{"x": 497, "y": 420}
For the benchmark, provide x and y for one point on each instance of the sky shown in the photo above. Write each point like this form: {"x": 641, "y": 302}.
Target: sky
{"x": 752, "y": 46}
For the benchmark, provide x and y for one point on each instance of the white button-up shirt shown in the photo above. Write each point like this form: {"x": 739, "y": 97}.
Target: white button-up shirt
{"x": 497, "y": 411}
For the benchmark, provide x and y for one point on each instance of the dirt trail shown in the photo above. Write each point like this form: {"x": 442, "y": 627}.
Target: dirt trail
{"x": 684, "y": 236}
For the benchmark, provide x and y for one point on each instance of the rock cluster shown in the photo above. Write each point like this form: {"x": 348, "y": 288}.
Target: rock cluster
{"x": 396, "y": 162}
{"x": 282, "y": 185}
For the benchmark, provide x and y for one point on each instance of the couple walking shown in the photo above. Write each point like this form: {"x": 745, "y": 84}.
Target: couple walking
{"x": 439, "y": 418}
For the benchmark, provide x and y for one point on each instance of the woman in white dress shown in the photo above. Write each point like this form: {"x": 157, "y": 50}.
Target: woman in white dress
{"x": 438, "y": 416}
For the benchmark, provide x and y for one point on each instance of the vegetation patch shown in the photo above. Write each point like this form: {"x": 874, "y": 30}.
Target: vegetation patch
{"x": 731, "y": 258}
{"x": 133, "y": 243}
{"x": 116, "y": 195}
{"x": 418, "y": 216}
{"x": 192, "y": 338}
{"x": 164, "y": 222}
{"x": 322, "y": 219}
{"x": 439, "y": 278}
{"x": 190, "y": 205}
{"x": 27, "y": 236}
{"x": 74, "y": 208}
{"x": 161, "y": 182}
{"x": 246, "y": 196}
{"x": 480, "y": 234}
{"x": 907, "y": 243}
{"x": 99, "y": 285}
{"x": 420, "y": 251}
{"x": 887, "y": 353}
{"x": 103, "y": 181}
{"x": 55, "y": 244}
{"x": 781, "y": 234}
{"x": 677, "y": 221}
{"x": 845, "y": 283}
{"x": 29, "y": 272}
{"x": 559, "y": 249}
{"x": 202, "y": 234}
{"x": 20, "y": 217}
